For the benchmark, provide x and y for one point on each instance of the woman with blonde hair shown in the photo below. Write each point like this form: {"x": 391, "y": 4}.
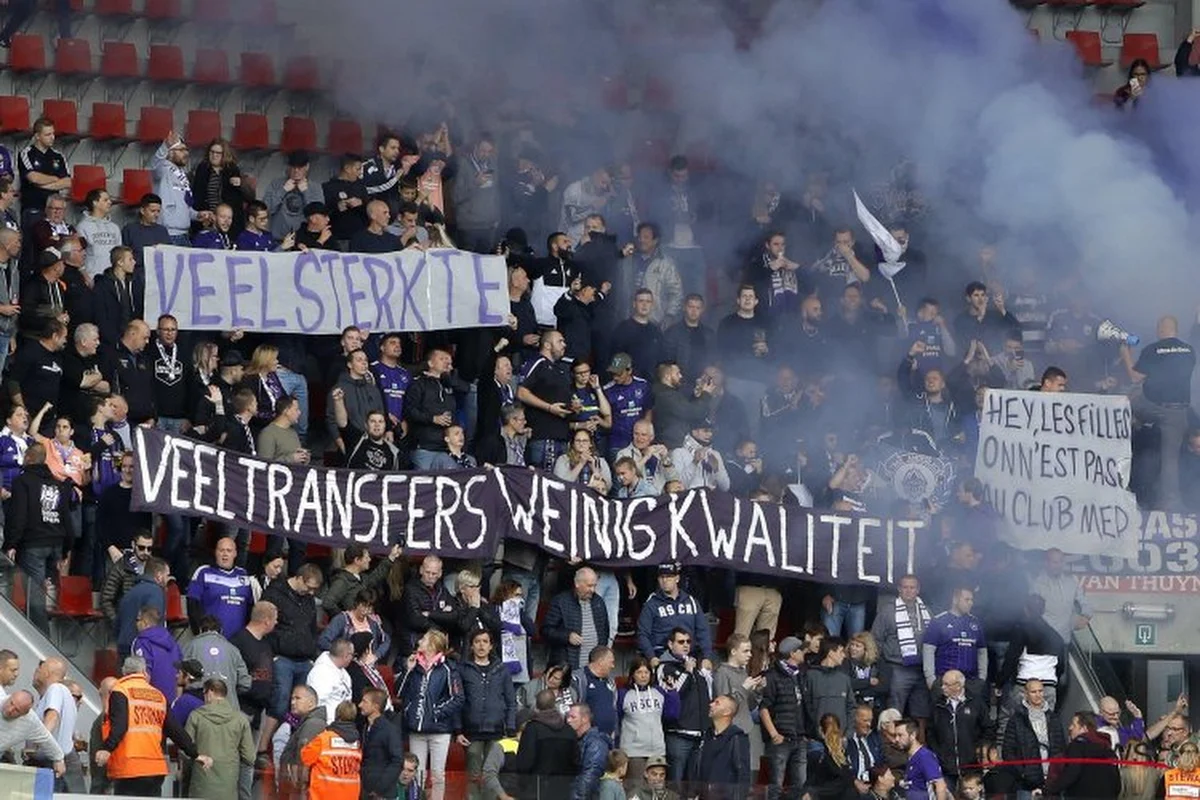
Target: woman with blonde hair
{"x": 431, "y": 700}
{"x": 261, "y": 378}
{"x": 832, "y": 778}
{"x": 583, "y": 464}
{"x": 863, "y": 664}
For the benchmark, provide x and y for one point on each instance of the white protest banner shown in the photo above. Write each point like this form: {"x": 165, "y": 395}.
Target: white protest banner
{"x": 322, "y": 291}
{"x": 1056, "y": 467}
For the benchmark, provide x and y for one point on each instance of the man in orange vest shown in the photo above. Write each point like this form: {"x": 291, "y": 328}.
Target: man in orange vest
{"x": 334, "y": 758}
{"x": 135, "y": 720}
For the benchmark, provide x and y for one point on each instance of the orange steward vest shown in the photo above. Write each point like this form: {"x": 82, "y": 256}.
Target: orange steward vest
{"x": 334, "y": 766}
{"x": 140, "y": 752}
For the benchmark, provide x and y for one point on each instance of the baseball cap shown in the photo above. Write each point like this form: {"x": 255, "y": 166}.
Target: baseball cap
{"x": 789, "y": 645}
{"x": 703, "y": 423}
{"x": 232, "y": 358}
{"x": 620, "y": 362}
{"x": 191, "y": 667}
{"x": 656, "y": 761}
{"x": 315, "y": 208}
{"x": 298, "y": 158}
{"x": 669, "y": 568}
{"x": 49, "y": 257}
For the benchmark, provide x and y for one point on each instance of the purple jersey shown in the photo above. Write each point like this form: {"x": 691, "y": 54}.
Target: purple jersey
{"x": 957, "y": 641}
{"x": 6, "y": 163}
{"x": 393, "y": 382}
{"x": 629, "y": 402}
{"x": 922, "y": 771}
{"x": 225, "y": 594}
{"x": 249, "y": 240}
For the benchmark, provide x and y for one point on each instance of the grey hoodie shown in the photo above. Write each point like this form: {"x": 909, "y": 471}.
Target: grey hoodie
{"x": 221, "y": 660}
{"x": 172, "y": 185}
{"x": 829, "y": 692}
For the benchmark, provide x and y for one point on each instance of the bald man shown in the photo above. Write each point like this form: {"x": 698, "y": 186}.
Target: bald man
{"x": 56, "y": 709}
{"x": 127, "y": 365}
{"x": 1163, "y": 396}
{"x": 19, "y": 724}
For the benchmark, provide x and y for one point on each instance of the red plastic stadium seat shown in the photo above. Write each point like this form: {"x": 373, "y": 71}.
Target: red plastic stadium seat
{"x": 120, "y": 60}
{"x": 163, "y": 10}
{"x": 176, "y": 616}
{"x": 75, "y": 598}
{"x": 1141, "y": 45}
{"x": 73, "y": 57}
{"x": 652, "y": 153}
{"x": 114, "y": 8}
{"x": 28, "y": 53}
{"x": 165, "y": 64}
{"x": 203, "y": 125}
{"x": 14, "y": 114}
{"x": 84, "y": 178}
{"x": 64, "y": 114}
{"x": 251, "y": 132}
{"x": 345, "y": 136}
{"x": 299, "y": 133}
{"x": 657, "y": 96}
{"x": 1068, "y": 3}
{"x": 154, "y": 124}
{"x": 134, "y": 184}
{"x": 1118, "y": 5}
{"x": 1087, "y": 45}
{"x": 301, "y": 74}
{"x": 211, "y": 67}
{"x": 213, "y": 11}
{"x": 258, "y": 70}
{"x": 108, "y": 121}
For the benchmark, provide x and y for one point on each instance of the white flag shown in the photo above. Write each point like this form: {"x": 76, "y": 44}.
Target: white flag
{"x": 888, "y": 245}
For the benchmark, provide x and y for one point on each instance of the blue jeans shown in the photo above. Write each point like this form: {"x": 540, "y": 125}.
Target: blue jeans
{"x": 542, "y": 453}
{"x": 788, "y": 764}
{"x": 679, "y": 749}
{"x": 468, "y": 409}
{"x": 609, "y": 589}
{"x": 36, "y": 563}
{"x": 288, "y": 675}
{"x": 531, "y": 586}
{"x": 89, "y": 558}
{"x": 852, "y": 615}
{"x": 432, "y": 461}
{"x": 296, "y": 385}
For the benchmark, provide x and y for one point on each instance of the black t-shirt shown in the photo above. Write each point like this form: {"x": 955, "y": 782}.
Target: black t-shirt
{"x": 349, "y": 222}
{"x": 260, "y": 662}
{"x": 363, "y": 453}
{"x": 549, "y": 381}
{"x": 170, "y": 381}
{"x": 1167, "y": 365}
{"x": 48, "y": 162}
{"x": 37, "y": 373}
{"x": 73, "y": 399}
{"x": 366, "y": 242}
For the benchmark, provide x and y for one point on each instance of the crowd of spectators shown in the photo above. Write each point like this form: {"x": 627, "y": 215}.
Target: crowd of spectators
{"x": 630, "y": 363}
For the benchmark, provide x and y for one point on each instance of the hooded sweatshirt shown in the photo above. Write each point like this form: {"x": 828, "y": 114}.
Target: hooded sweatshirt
{"x": 362, "y": 396}
{"x": 221, "y": 732}
{"x": 221, "y": 660}
{"x": 172, "y": 185}
{"x": 161, "y": 651}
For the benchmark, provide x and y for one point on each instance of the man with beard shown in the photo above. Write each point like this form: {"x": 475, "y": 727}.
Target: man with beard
{"x": 367, "y": 449}
{"x": 552, "y": 277}
{"x": 172, "y": 185}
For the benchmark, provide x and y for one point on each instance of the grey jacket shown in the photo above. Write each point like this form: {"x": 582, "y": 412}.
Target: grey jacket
{"x": 172, "y": 185}
{"x": 221, "y": 660}
{"x": 10, "y": 270}
{"x": 829, "y": 692}
{"x": 476, "y": 207}
{"x": 287, "y": 208}
{"x": 362, "y": 396}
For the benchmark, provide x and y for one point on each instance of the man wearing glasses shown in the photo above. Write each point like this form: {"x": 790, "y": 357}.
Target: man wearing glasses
{"x": 1172, "y": 732}
{"x": 678, "y": 671}
{"x": 124, "y": 572}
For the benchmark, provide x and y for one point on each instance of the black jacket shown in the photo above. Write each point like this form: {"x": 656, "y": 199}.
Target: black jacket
{"x": 112, "y": 314}
{"x": 427, "y": 397}
{"x": 382, "y": 758}
{"x": 295, "y": 635}
{"x": 470, "y": 619}
{"x": 490, "y": 710}
{"x": 719, "y": 767}
{"x": 39, "y": 511}
{"x": 1021, "y": 744}
{"x": 418, "y": 598}
{"x": 575, "y": 324}
{"x": 1036, "y": 637}
{"x": 783, "y": 697}
{"x": 563, "y": 618}
{"x": 547, "y": 753}
{"x": 954, "y": 735}
{"x": 695, "y": 695}
{"x": 1087, "y": 781}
